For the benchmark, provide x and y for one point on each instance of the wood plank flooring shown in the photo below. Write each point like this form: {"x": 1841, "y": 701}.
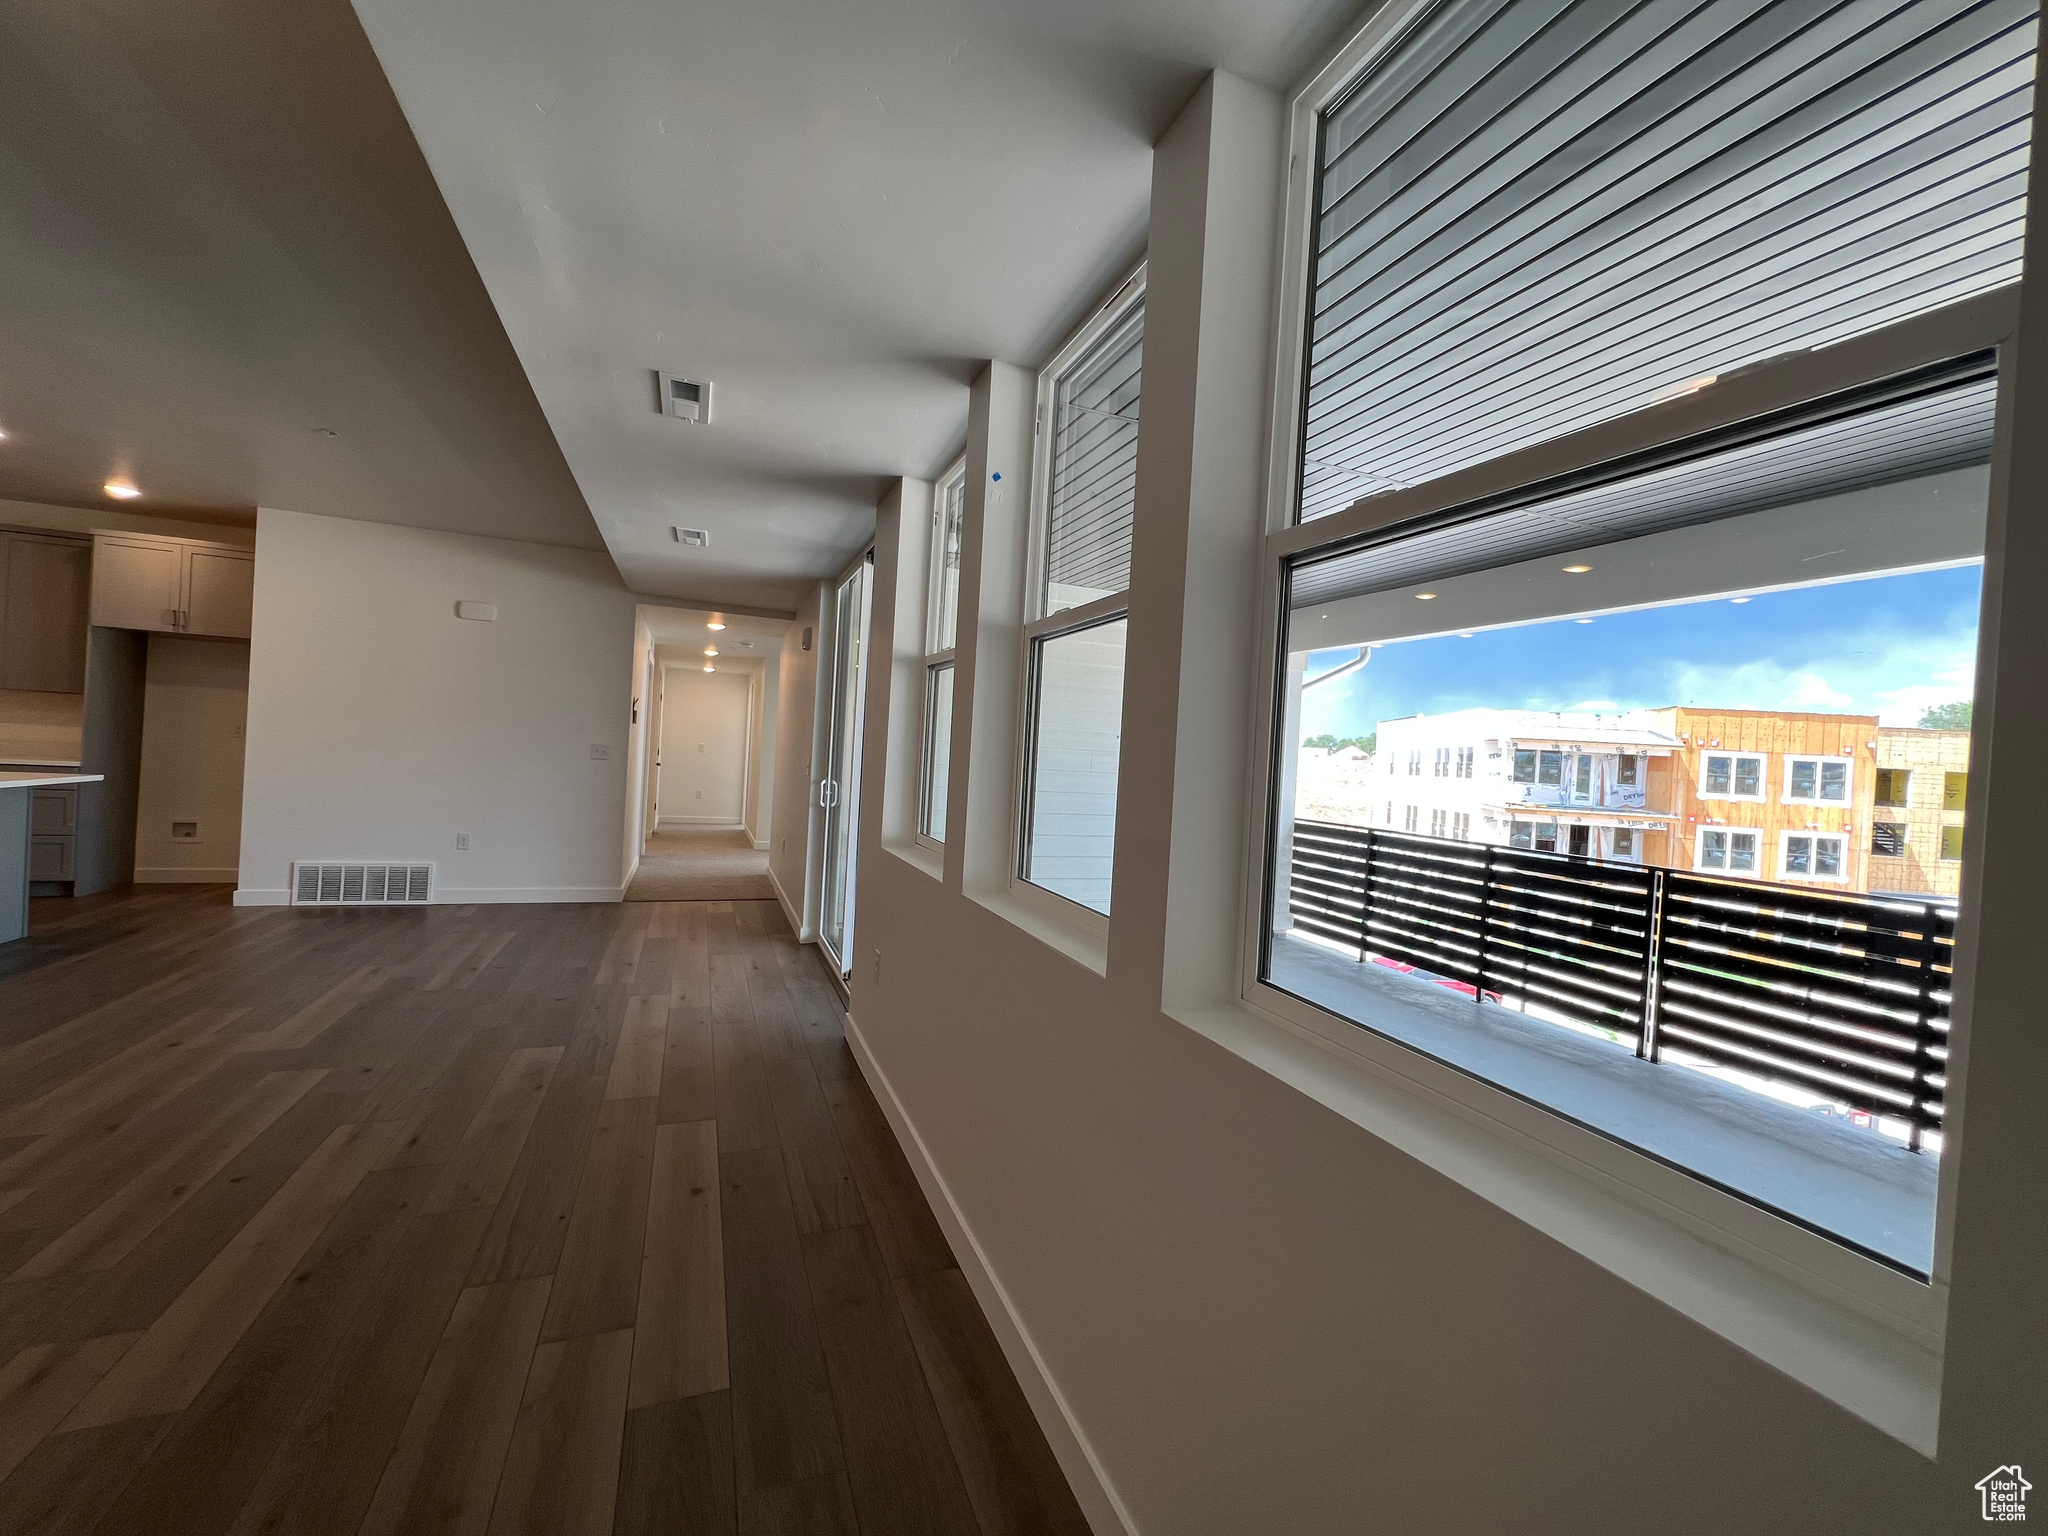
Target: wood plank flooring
{"x": 491, "y": 1220}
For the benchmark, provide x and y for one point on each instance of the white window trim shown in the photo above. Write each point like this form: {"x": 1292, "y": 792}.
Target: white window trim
{"x": 1784, "y": 840}
{"x": 1763, "y": 777}
{"x": 1038, "y": 625}
{"x": 1863, "y": 1334}
{"x": 935, "y": 552}
{"x": 1700, "y": 865}
{"x": 1785, "y": 794}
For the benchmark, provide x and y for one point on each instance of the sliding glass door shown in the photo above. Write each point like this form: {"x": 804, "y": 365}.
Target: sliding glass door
{"x": 839, "y": 786}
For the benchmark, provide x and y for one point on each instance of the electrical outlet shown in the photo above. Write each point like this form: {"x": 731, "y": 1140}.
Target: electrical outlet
{"x": 599, "y": 752}
{"x": 462, "y": 842}
{"x": 238, "y": 730}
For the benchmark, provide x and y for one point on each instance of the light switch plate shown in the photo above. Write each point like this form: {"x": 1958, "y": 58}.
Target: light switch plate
{"x": 599, "y": 752}
{"x": 484, "y": 612}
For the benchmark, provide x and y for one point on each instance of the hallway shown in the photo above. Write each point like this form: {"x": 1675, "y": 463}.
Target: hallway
{"x": 500, "y": 1219}
{"x": 701, "y": 864}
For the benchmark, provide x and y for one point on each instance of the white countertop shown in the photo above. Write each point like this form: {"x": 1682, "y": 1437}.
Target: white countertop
{"x": 9, "y": 780}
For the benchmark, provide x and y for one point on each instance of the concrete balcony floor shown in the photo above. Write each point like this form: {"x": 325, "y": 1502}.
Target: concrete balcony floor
{"x": 1849, "y": 1182}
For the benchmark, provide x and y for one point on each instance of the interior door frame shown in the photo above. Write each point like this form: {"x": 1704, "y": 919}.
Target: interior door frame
{"x": 847, "y": 794}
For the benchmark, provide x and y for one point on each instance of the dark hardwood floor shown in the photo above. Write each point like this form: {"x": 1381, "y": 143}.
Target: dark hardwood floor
{"x": 472, "y": 1219}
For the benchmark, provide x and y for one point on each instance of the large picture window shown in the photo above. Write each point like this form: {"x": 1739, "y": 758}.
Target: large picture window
{"x": 1074, "y": 635}
{"x": 1648, "y": 387}
{"x": 942, "y": 618}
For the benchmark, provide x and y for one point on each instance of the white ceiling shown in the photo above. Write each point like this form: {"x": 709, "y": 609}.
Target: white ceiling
{"x": 834, "y": 211}
{"x": 217, "y": 238}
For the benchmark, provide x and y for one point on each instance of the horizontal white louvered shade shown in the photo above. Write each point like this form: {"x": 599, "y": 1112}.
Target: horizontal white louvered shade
{"x": 1094, "y": 469}
{"x": 1533, "y": 215}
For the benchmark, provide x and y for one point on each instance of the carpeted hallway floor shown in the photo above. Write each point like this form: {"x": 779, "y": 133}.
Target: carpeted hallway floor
{"x": 701, "y": 864}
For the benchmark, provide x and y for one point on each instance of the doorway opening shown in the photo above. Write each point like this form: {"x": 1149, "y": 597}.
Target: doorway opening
{"x": 701, "y": 785}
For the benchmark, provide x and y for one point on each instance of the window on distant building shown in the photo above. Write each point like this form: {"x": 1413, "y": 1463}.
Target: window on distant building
{"x": 1951, "y": 842}
{"x": 1955, "y": 790}
{"x": 1415, "y": 763}
{"x": 942, "y": 616}
{"x": 1461, "y": 826}
{"x": 1080, "y": 571}
{"x": 1818, "y": 780}
{"x": 1732, "y": 777}
{"x": 1811, "y": 856}
{"x": 1888, "y": 839}
{"x": 1625, "y": 837}
{"x": 1465, "y": 755}
{"x": 1893, "y": 785}
{"x": 1690, "y": 306}
{"x": 1413, "y": 820}
{"x": 1726, "y": 851}
{"x": 1582, "y": 776}
{"x": 1439, "y": 822}
{"x": 1442, "y": 766}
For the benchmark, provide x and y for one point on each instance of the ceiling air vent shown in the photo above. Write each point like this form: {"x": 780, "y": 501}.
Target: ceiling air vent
{"x": 684, "y": 399}
{"x": 696, "y": 538}
{"x": 342, "y": 884}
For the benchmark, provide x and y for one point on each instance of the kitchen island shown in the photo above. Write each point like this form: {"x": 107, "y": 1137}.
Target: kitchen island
{"x": 17, "y": 807}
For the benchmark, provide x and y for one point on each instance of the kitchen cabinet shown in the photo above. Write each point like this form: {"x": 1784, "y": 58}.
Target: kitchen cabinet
{"x": 172, "y": 586}
{"x": 45, "y": 587}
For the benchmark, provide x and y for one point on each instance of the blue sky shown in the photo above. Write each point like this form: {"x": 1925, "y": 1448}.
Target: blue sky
{"x": 1888, "y": 646}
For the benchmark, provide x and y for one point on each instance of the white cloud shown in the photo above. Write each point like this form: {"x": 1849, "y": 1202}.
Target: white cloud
{"x": 1864, "y": 678}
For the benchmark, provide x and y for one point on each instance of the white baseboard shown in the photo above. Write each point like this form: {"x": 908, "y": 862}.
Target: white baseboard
{"x": 790, "y": 909}
{"x": 459, "y": 896}
{"x": 697, "y": 821}
{"x": 453, "y": 896}
{"x": 760, "y": 845}
{"x": 173, "y": 875}
{"x": 1106, "y": 1513}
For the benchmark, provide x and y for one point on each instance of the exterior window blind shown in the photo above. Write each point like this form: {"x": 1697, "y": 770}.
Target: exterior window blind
{"x": 1938, "y": 424}
{"x": 1532, "y": 216}
{"x": 1094, "y": 469}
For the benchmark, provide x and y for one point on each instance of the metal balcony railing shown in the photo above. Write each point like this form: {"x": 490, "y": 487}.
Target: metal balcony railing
{"x": 1845, "y": 996}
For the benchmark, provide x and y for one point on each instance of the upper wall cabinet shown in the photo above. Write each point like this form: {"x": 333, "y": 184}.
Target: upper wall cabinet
{"x": 177, "y": 586}
{"x": 44, "y": 584}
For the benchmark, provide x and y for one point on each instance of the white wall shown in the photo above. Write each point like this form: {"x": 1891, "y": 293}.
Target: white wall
{"x": 195, "y": 701}
{"x": 380, "y": 725}
{"x": 790, "y": 854}
{"x": 705, "y": 739}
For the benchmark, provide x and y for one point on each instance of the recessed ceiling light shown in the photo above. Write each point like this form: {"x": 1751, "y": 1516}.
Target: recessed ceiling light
{"x": 1582, "y": 621}
{"x": 121, "y": 490}
{"x": 710, "y": 650}
{"x": 709, "y": 668}
{"x": 714, "y": 624}
{"x": 1464, "y": 634}
{"x": 1738, "y": 599}
{"x": 3, "y": 436}
{"x": 1423, "y": 597}
{"x": 1577, "y": 570}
